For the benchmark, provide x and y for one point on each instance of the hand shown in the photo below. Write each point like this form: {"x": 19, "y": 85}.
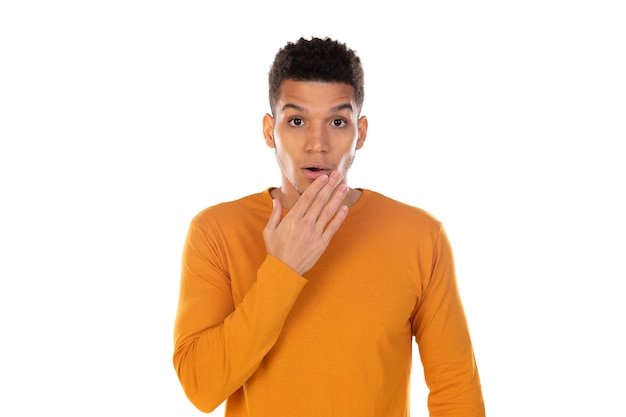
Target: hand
{"x": 300, "y": 239}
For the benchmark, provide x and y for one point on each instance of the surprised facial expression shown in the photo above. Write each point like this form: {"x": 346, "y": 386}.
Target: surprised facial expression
{"x": 316, "y": 129}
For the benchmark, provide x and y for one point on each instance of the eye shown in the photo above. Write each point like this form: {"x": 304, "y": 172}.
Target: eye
{"x": 295, "y": 122}
{"x": 339, "y": 123}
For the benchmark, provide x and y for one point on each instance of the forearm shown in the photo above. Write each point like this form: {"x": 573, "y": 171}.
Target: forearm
{"x": 455, "y": 389}
{"x": 444, "y": 342}
{"x": 214, "y": 361}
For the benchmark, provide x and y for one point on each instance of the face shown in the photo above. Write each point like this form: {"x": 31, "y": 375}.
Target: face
{"x": 316, "y": 129}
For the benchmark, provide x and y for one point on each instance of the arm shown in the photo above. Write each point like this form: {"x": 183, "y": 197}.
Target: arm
{"x": 443, "y": 338}
{"x": 219, "y": 346}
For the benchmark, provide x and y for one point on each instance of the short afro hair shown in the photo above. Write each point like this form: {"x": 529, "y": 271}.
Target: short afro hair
{"x": 317, "y": 59}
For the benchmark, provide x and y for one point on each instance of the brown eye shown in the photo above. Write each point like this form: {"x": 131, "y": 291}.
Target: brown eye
{"x": 338, "y": 123}
{"x": 296, "y": 122}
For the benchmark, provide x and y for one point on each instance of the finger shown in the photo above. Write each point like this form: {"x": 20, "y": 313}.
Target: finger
{"x": 309, "y": 195}
{"x": 332, "y": 206}
{"x": 334, "y": 224}
{"x": 323, "y": 196}
{"x": 276, "y": 215}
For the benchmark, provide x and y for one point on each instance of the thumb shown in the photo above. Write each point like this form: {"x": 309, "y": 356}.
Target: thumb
{"x": 276, "y": 216}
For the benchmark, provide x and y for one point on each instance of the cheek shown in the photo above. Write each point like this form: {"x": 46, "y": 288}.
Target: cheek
{"x": 287, "y": 147}
{"x": 283, "y": 156}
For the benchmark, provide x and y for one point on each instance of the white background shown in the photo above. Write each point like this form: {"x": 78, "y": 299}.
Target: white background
{"x": 120, "y": 120}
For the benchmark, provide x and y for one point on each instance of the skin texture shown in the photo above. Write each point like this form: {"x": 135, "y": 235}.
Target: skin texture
{"x": 315, "y": 133}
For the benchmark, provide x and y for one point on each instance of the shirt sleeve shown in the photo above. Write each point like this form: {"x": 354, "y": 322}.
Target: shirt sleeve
{"x": 443, "y": 339}
{"x": 219, "y": 345}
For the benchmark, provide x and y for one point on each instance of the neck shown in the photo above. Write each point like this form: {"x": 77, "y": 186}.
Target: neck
{"x": 352, "y": 197}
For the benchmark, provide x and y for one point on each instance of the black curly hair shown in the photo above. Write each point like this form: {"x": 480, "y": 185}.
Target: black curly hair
{"x": 317, "y": 60}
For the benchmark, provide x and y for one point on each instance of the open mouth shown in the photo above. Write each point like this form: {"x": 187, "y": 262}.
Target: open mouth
{"x": 316, "y": 171}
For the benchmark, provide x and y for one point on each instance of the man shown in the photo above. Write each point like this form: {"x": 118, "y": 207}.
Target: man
{"x": 303, "y": 300}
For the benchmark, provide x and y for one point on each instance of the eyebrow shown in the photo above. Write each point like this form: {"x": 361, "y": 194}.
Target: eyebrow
{"x": 303, "y": 110}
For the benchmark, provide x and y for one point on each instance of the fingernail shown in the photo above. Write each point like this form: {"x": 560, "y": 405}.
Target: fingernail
{"x": 336, "y": 175}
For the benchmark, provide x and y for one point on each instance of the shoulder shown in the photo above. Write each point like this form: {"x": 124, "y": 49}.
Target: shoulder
{"x": 235, "y": 211}
{"x": 397, "y": 212}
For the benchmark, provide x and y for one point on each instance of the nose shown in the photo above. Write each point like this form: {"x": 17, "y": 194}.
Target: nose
{"x": 317, "y": 140}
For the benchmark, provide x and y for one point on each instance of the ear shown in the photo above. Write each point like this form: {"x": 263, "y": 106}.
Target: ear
{"x": 268, "y": 130}
{"x": 362, "y": 132}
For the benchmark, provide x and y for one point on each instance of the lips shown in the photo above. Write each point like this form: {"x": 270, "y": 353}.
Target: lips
{"x": 316, "y": 170}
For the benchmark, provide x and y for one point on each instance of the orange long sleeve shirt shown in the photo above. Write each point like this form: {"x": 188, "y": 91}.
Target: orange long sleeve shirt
{"x": 334, "y": 342}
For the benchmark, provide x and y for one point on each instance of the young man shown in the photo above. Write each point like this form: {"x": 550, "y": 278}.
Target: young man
{"x": 303, "y": 300}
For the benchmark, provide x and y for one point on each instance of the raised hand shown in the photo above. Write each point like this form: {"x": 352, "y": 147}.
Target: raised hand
{"x": 301, "y": 238}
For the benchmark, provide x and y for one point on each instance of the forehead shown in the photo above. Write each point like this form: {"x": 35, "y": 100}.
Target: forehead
{"x": 315, "y": 95}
